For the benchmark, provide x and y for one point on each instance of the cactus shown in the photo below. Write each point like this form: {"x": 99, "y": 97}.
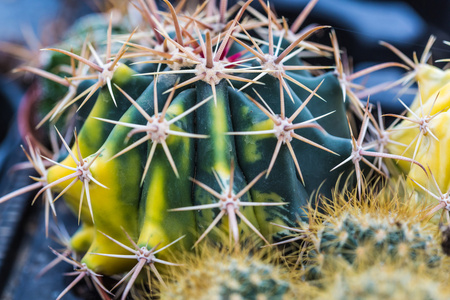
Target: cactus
{"x": 420, "y": 134}
{"x": 385, "y": 281}
{"x": 383, "y": 227}
{"x": 194, "y": 129}
{"x": 218, "y": 274}
{"x": 236, "y": 136}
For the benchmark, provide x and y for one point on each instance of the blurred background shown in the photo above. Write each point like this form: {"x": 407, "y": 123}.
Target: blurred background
{"x": 29, "y": 25}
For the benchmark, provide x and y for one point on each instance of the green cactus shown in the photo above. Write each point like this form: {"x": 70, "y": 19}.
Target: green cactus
{"x": 385, "y": 281}
{"x": 218, "y": 274}
{"x": 194, "y": 130}
{"x": 205, "y": 129}
{"x": 385, "y": 226}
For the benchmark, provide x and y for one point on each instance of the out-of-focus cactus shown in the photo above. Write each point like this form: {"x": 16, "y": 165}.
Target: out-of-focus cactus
{"x": 385, "y": 281}
{"x": 212, "y": 273}
{"x": 422, "y": 133}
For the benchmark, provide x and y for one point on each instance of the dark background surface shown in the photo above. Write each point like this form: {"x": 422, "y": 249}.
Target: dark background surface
{"x": 359, "y": 24}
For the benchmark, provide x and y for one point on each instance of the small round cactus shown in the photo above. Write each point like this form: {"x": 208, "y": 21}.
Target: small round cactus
{"x": 219, "y": 275}
{"x": 385, "y": 281}
{"x": 388, "y": 224}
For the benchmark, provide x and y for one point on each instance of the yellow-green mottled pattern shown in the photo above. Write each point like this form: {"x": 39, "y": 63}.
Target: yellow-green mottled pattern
{"x": 92, "y": 128}
{"x": 120, "y": 201}
{"x": 274, "y": 215}
{"x": 94, "y": 132}
{"x": 252, "y": 152}
{"x": 72, "y": 196}
{"x": 105, "y": 203}
{"x": 156, "y": 209}
{"x": 216, "y": 153}
{"x": 218, "y": 138}
{"x": 122, "y": 75}
{"x": 158, "y": 224}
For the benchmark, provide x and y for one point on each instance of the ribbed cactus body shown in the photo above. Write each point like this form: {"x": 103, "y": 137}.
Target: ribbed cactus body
{"x": 190, "y": 128}
{"x": 139, "y": 204}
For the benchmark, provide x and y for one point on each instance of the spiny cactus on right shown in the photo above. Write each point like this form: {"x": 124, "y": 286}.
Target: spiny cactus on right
{"x": 389, "y": 224}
